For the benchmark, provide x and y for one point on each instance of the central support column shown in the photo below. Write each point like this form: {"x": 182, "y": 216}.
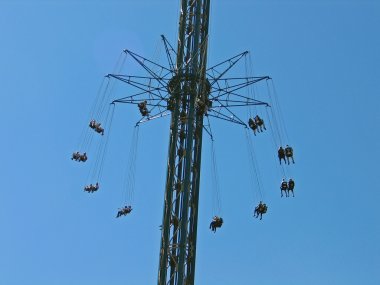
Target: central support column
{"x": 189, "y": 90}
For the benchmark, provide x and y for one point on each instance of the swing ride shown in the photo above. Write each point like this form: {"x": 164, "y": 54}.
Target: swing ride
{"x": 193, "y": 95}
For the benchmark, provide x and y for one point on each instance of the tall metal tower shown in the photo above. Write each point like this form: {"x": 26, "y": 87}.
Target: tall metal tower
{"x": 188, "y": 91}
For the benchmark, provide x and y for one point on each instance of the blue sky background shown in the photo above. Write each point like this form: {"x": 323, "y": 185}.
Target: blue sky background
{"x": 324, "y": 58}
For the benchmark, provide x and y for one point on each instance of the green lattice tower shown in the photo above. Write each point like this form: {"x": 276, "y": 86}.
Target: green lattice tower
{"x": 188, "y": 91}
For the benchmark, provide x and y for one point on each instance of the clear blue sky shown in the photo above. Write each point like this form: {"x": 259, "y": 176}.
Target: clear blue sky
{"x": 324, "y": 57}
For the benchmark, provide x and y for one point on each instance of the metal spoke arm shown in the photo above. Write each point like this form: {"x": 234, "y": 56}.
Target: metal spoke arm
{"x": 140, "y": 60}
{"x": 169, "y": 50}
{"x": 137, "y": 101}
{"x": 227, "y": 96}
{"x": 154, "y": 117}
{"x": 230, "y": 87}
{"x": 146, "y": 88}
{"x": 230, "y": 63}
{"x": 218, "y": 115}
{"x": 233, "y": 59}
{"x": 233, "y": 84}
{"x": 239, "y": 103}
{"x": 233, "y": 118}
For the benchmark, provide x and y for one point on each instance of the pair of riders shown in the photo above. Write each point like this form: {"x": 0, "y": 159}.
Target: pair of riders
{"x": 287, "y": 187}
{"x": 91, "y": 188}
{"x": 216, "y": 222}
{"x": 285, "y": 153}
{"x": 256, "y": 124}
{"x": 143, "y": 109}
{"x": 124, "y": 211}
{"x": 260, "y": 210}
{"x": 79, "y": 157}
{"x": 96, "y": 126}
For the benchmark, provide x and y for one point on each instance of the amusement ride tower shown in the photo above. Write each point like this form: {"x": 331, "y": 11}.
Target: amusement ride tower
{"x": 188, "y": 91}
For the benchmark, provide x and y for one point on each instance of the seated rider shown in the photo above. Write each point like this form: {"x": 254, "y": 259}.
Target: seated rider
{"x": 284, "y": 185}
{"x": 127, "y": 209}
{"x": 260, "y": 210}
{"x": 289, "y": 153}
{"x": 219, "y": 222}
{"x": 281, "y": 154}
{"x": 252, "y": 125}
{"x": 99, "y": 129}
{"x": 216, "y": 222}
{"x": 92, "y": 124}
{"x": 291, "y": 184}
{"x": 93, "y": 188}
{"x": 260, "y": 207}
{"x": 264, "y": 208}
{"x": 83, "y": 157}
{"x": 260, "y": 123}
{"x": 76, "y": 156}
{"x": 142, "y": 107}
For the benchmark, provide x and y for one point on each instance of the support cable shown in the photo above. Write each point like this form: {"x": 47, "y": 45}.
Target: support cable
{"x": 216, "y": 204}
{"x": 279, "y": 110}
{"x": 130, "y": 171}
{"x": 259, "y": 195}
{"x": 108, "y": 124}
